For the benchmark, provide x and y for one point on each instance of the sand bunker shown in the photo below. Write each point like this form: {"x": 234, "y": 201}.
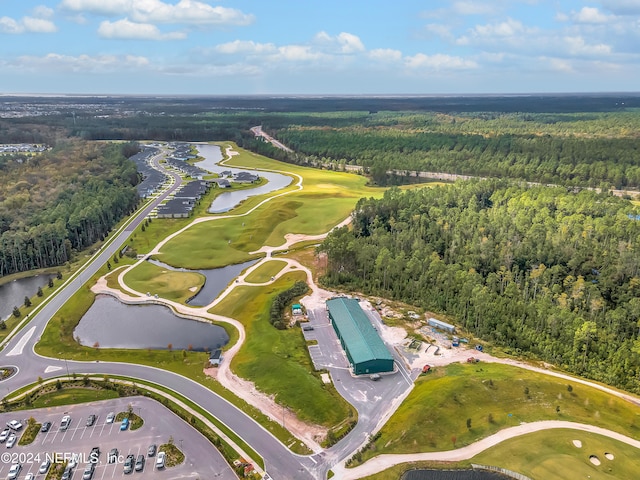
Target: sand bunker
{"x": 577, "y": 443}
{"x": 595, "y": 460}
{"x": 609, "y": 456}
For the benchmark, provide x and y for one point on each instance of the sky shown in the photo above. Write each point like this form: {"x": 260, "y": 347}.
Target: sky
{"x": 318, "y": 47}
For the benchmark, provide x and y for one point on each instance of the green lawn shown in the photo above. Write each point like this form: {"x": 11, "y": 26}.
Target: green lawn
{"x": 493, "y": 397}
{"x": 265, "y": 271}
{"x": 278, "y": 360}
{"x": 71, "y": 396}
{"x": 169, "y": 284}
{"x": 551, "y": 454}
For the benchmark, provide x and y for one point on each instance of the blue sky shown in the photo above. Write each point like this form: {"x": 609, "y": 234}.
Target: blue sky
{"x": 195, "y": 47}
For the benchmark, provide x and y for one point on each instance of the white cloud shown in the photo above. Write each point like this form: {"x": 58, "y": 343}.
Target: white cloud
{"x": 125, "y": 29}
{"x": 55, "y": 62}
{"x": 189, "y": 12}
{"x": 590, "y": 15}
{"x": 246, "y": 47}
{"x": 439, "y": 30}
{"x": 297, "y": 53}
{"x": 42, "y": 11}
{"x": 385, "y": 55}
{"x": 26, "y": 25}
{"x": 438, "y": 62}
{"x": 578, "y": 46}
{"x": 345, "y": 43}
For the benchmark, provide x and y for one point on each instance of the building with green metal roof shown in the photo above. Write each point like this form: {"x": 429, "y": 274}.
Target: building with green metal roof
{"x": 365, "y": 350}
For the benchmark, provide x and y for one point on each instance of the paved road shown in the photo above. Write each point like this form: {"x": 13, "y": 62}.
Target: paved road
{"x": 279, "y": 461}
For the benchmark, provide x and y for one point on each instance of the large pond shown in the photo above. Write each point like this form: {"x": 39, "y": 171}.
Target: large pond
{"x": 12, "y": 294}
{"x": 112, "y": 324}
{"x": 217, "y": 279}
{"x": 228, "y": 200}
{"x": 452, "y": 475}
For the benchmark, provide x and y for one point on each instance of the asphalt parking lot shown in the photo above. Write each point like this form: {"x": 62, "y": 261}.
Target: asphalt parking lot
{"x": 202, "y": 459}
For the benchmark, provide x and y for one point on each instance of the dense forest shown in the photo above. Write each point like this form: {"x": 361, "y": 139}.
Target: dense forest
{"x": 534, "y": 269}
{"x": 589, "y": 150}
{"x": 62, "y": 200}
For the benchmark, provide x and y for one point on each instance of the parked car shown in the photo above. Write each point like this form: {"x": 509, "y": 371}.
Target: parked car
{"x": 44, "y": 466}
{"x": 91, "y": 420}
{"x": 14, "y": 425}
{"x": 66, "y": 475}
{"x": 46, "y": 426}
{"x": 151, "y": 451}
{"x": 88, "y": 471}
{"x": 14, "y": 471}
{"x": 160, "y": 460}
{"x": 128, "y": 463}
{"x": 94, "y": 456}
{"x": 125, "y": 424}
{"x": 11, "y": 441}
{"x": 3, "y": 436}
{"x": 73, "y": 463}
{"x": 64, "y": 424}
{"x": 140, "y": 463}
{"x": 32, "y": 476}
{"x": 113, "y": 456}
{"x": 110, "y": 417}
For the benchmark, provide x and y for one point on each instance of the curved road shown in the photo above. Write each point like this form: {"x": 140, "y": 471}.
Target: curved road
{"x": 280, "y": 462}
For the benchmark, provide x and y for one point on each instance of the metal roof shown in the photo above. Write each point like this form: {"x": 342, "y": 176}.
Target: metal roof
{"x": 359, "y": 336}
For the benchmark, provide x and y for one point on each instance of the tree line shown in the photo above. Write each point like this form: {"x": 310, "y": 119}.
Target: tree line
{"x": 62, "y": 201}
{"x": 540, "y": 271}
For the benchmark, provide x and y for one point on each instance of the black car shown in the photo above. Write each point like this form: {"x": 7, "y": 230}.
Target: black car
{"x": 140, "y": 463}
{"x": 113, "y": 456}
{"x": 46, "y": 426}
{"x": 128, "y": 463}
{"x": 94, "y": 456}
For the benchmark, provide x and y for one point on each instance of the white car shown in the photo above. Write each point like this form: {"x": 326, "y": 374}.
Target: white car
{"x": 160, "y": 460}
{"x": 11, "y": 441}
{"x": 44, "y": 466}
{"x": 30, "y": 476}
{"x": 111, "y": 417}
{"x": 14, "y": 425}
{"x": 66, "y": 421}
{"x": 3, "y": 436}
{"x": 14, "y": 471}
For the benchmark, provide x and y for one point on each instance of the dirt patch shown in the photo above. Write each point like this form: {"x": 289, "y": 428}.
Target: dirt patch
{"x": 595, "y": 460}
{"x": 577, "y": 443}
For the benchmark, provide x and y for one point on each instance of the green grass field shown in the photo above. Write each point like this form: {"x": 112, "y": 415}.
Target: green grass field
{"x": 71, "y": 396}
{"x": 492, "y": 397}
{"x": 172, "y": 285}
{"x": 265, "y": 271}
{"x": 551, "y": 454}
{"x": 278, "y": 360}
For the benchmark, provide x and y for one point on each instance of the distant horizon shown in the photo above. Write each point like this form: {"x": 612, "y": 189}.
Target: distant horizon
{"x": 320, "y": 95}
{"x": 288, "y": 47}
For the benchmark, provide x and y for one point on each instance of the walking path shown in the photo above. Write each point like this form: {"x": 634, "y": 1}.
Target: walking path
{"x": 382, "y": 462}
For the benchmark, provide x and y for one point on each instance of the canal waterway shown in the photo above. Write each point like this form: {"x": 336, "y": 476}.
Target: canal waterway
{"x": 228, "y": 200}
{"x": 111, "y": 324}
{"x": 453, "y": 475}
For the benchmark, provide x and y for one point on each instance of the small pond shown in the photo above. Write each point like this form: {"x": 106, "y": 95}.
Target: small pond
{"x": 12, "y": 294}
{"x": 216, "y": 281}
{"x": 228, "y": 200}
{"x": 112, "y": 324}
{"x": 453, "y": 475}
